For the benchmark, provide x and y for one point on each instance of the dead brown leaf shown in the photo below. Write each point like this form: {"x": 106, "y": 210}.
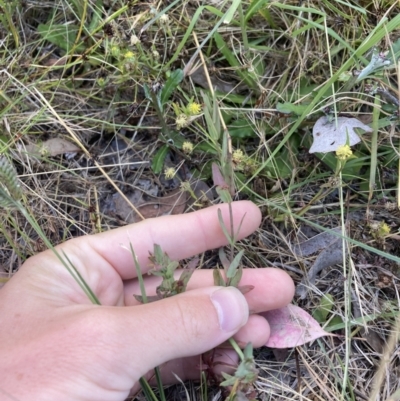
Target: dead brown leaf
{"x": 172, "y": 203}
{"x": 52, "y": 147}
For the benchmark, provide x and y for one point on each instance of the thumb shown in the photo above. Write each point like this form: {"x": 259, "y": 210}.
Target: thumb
{"x": 184, "y": 325}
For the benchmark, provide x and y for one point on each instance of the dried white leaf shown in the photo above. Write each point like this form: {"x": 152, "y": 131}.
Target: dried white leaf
{"x": 52, "y": 147}
{"x": 330, "y": 135}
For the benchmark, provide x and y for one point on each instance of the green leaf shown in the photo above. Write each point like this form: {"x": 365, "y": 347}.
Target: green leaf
{"x": 158, "y": 161}
{"x": 224, "y": 194}
{"x": 234, "y": 265}
{"x": 325, "y": 307}
{"x": 224, "y": 229}
{"x": 207, "y": 148}
{"x": 3, "y": 140}
{"x": 218, "y": 279}
{"x": 139, "y": 275}
{"x": 172, "y": 83}
{"x": 242, "y": 129}
{"x": 211, "y": 114}
{"x": 184, "y": 279}
{"x": 289, "y": 108}
{"x": 147, "y": 92}
{"x": 223, "y": 259}
{"x": 234, "y": 281}
{"x": 233, "y": 61}
{"x": 63, "y": 36}
{"x": 254, "y": 7}
{"x": 231, "y": 11}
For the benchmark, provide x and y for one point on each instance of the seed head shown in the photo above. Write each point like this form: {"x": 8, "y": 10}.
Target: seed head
{"x": 169, "y": 173}
{"x": 343, "y": 152}
{"x": 193, "y": 108}
{"x": 187, "y": 147}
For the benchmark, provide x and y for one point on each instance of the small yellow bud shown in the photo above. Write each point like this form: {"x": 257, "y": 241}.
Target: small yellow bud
{"x": 187, "y": 147}
{"x": 129, "y": 55}
{"x": 169, "y": 173}
{"x": 238, "y": 156}
{"x": 181, "y": 121}
{"x": 343, "y": 152}
{"x": 115, "y": 51}
{"x": 185, "y": 186}
{"x": 193, "y": 108}
{"x": 101, "y": 82}
{"x": 379, "y": 229}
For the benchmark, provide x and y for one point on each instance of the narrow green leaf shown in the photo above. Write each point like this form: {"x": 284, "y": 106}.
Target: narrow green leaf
{"x": 234, "y": 265}
{"x": 224, "y": 194}
{"x": 218, "y": 279}
{"x": 235, "y": 280}
{"x": 158, "y": 254}
{"x": 231, "y": 11}
{"x": 227, "y": 165}
{"x": 224, "y": 229}
{"x": 223, "y": 258}
{"x": 234, "y": 62}
{"x": 288, "y": 108}
{"x": 158, "y": 161}
{"x": 147, "y": 92}
{"x": 139, "y": 275}
{"x": 184, "y": 279}
{"x": 172, "y": 83}
{"x": 211, "y": 114}
{"x": 254, "y": 7}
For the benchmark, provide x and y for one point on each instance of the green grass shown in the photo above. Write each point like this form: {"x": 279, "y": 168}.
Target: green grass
{"x": 101, "y": 73}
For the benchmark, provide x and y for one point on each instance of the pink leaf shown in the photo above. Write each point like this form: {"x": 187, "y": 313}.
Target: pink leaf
{"x": 218, "y": 179}
{"x": 292, "y": 326}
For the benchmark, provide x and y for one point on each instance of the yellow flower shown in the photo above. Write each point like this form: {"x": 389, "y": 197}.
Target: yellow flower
{"x": 169, "y": 173}
{"x": 187, "y": 147}
{"x": 115, "y": 51}
{"x": 343, "y": 152}
{"x": 129, "y": 55}
{"x": 379, "y": 229}
{"x": 238, "y": 156}
{"x": 181, "y": 121}
{"x": 384, "y": 229}
{"x": 185, "y": 186}
{"x": 193, "y": 108}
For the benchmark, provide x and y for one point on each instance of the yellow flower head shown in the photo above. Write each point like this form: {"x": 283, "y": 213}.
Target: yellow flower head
{"x": 129, "y": 55}
{"x": 169, "y": 173}
{"x": 238, "y": 156}
{"x": 384, "y": 229}
{"x": 187, "y": 147}
{"x": 379, "y": 229}
{"x": 343, "y": 152}
{"x": 181, "y": 121}
{"x": 115, "y": 51}
{"x": 193, "y": 108}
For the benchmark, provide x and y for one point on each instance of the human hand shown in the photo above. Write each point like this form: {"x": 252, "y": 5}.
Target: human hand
{"x": 56, "y": 345}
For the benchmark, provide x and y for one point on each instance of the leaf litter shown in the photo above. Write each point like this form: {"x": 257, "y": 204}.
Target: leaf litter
{"x": 292, "y": 326}
{"x": 329, "y": 135}
{"x": 331, "y": 254}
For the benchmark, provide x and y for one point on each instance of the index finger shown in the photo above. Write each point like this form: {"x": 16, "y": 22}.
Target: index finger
{"x": 180, "y": 236}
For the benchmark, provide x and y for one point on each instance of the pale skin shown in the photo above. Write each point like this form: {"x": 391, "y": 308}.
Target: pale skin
{"x": 56, "y": 345}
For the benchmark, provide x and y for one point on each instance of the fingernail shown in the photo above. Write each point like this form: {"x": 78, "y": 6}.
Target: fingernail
{"x": 232, "y": 308}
